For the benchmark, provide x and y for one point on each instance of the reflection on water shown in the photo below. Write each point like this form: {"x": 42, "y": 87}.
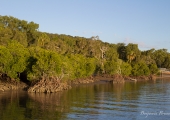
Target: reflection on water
{"x": 95, "y": 101}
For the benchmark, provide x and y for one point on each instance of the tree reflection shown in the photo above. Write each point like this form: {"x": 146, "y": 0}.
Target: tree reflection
{"x": 83, "y": 99}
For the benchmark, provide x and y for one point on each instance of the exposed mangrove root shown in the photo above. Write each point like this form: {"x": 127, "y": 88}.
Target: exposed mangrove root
{"x": 83, "y": 80}
{"x": 49, "y": 86}
{"x": 152, "y": 77}
{"x": 118, "y": 79}
{"x": 10, "y": 86}
{"x": 7, "y": 83}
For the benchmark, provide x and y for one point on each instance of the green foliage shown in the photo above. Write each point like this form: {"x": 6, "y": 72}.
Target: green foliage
{"x": 111, "y": 67}
{"x": 111, "y": 54}
{"x": 20, "y": 56}
{"x": 21, "y": 37}
{"x": 42, "y": 40}
{"x": 126, "y": 69}
{"x": 13, "y": 59}
{"x": 160, "y": 56}
{"x": 121, "y": 49}
{"x": 153, "y": 68}
{"x": 20, "y": 30}
{"x": 5, "y": 60}
{"x": 46, "y": 63}
{"x": 67, "y": 69}
{"x": 82, "y": 67}
{"x": 166, "y": 62}
{"x": 24, "y": 49}
{"x": 140, "y": 69}
{"x": 90, "y": 66}
{"x": 5, "y": 35}
{"x": 132, "y": 52}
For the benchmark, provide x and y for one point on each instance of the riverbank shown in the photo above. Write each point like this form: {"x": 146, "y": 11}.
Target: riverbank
{"x": 6, "y": 86}
{"x": 56, "y": 86}
{"x": 165, "y": 74}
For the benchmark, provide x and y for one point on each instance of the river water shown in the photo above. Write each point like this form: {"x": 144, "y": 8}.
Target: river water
{"x": 131, "y": 100}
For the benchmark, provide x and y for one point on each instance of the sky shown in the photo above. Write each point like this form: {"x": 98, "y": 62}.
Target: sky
{"x": 143, "y": 22}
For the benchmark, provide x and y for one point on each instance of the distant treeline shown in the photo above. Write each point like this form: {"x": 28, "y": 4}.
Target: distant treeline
{"x": 25, "y": 51}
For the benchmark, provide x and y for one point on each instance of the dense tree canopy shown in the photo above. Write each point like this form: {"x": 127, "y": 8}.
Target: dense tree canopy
{"x": 140, "y": 69}
{"x": 13, "y": 59}
{"x": 24, "y": 49}
{"x": 46, "y": 63}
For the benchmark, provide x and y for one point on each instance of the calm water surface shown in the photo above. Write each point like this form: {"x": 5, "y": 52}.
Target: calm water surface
{"x": 140, "y": 100}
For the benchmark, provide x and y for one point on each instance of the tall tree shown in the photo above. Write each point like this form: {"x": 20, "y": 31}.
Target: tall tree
{"x": 13, "y": 59}
{"x": 47, "y": 64}
{"x": 121, "y": 49}
{"x": 159, "y": 56}
{"x": 132, "y": 52}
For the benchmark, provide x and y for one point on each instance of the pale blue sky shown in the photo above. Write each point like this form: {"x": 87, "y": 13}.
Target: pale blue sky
{"x": 145, "y": 22}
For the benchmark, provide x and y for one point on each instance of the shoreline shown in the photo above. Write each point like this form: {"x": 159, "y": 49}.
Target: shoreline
{"x": 7, "y": 86}
{"x": 164, "y": 75}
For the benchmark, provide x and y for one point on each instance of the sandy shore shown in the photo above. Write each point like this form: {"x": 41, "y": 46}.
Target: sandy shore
{"x": 165, "y": 74}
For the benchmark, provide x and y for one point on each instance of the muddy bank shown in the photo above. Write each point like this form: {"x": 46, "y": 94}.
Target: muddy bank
{"x": 84, "y": 81}
{"x": 53, "y": 85}
{"x": 121, "y": 79}
{"x": 5, "y": 86}
{"x": 165, "y": 74}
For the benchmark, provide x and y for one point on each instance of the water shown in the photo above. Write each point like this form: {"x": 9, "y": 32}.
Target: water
{"x": 140, "y": 100}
